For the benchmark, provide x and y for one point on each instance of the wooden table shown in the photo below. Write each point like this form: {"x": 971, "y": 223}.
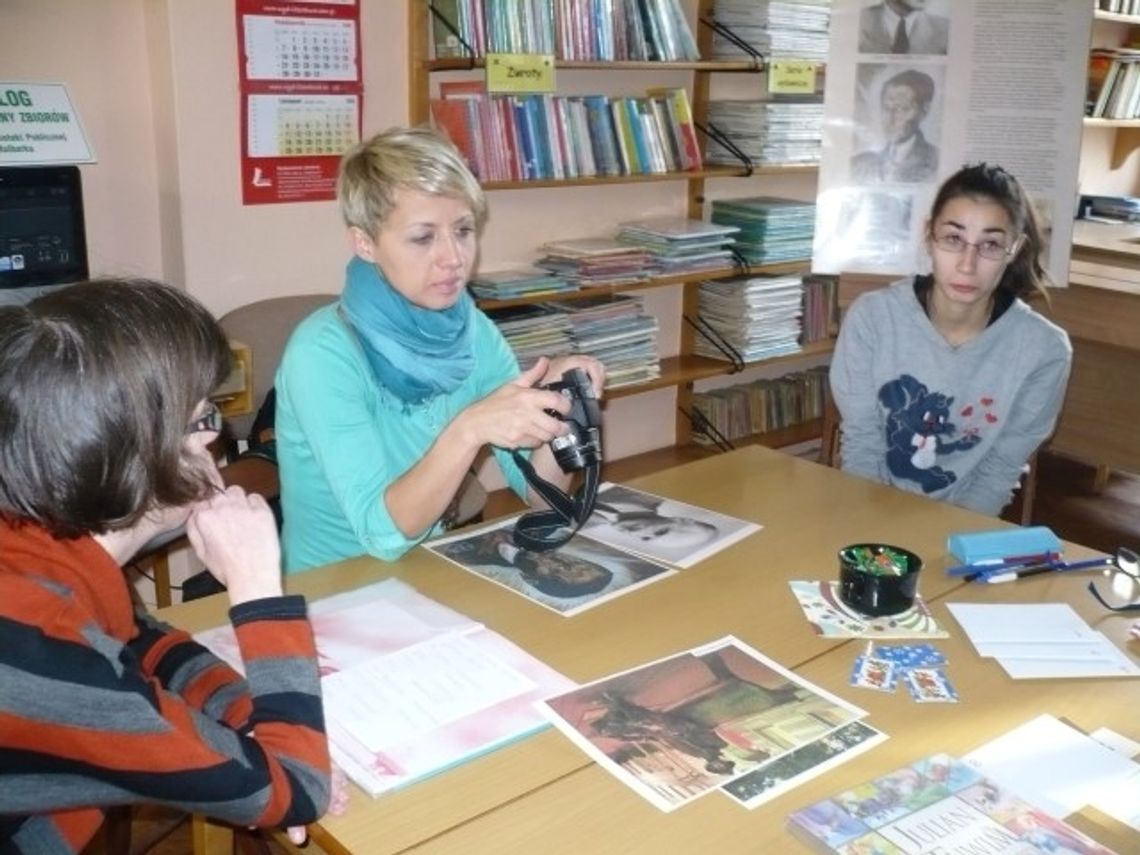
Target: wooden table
{"x": 544, "y": 792}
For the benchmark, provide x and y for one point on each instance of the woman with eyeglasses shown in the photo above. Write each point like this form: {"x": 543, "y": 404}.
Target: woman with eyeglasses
{"x": 104, "y": 428}
{"x": 947, "y": 383}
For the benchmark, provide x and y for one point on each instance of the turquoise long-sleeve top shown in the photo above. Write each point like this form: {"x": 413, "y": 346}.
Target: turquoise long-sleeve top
{"x": 342, "y": 439}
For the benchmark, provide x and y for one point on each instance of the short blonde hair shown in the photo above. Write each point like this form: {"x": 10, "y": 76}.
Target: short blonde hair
{"x": 402, "y": 158}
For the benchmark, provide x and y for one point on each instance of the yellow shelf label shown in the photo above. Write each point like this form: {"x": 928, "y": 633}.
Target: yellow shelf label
{"x": 791, "y": 77}
{"x": 520, "y": 72}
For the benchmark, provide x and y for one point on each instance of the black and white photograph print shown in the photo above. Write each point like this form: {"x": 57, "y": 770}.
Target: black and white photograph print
{"x": 577, "y": 575}
{"x": 898, "y": 111}
{"x": 659, "y": 528}
{"x": 908, "y": 27}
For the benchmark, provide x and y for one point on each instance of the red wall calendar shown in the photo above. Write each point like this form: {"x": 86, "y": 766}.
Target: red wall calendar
{"x": 301, "y": 93}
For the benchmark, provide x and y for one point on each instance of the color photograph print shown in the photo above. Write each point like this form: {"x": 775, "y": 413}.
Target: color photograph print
{"x": 681, "y": 727}
{"x": 659, "y": 528}
{"x": 776, "y": 777}
{"x": 576, "y": 576}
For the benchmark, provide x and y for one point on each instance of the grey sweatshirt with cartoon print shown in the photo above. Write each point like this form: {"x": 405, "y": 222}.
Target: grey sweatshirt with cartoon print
{"x": 953, "y": 422}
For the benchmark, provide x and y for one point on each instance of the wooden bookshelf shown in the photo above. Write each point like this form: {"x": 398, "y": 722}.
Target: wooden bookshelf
{"x": 683, "y": 370}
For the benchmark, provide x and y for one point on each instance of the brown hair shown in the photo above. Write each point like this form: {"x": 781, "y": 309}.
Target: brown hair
{"x": 98, "y": 382}
{"x": 1024, "y": 275}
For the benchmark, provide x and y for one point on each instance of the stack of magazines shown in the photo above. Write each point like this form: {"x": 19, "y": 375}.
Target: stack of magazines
{"x": 772, "y": 230}
{"x": 533, "y": 331}
{"x": 518, "y": 282}
{"x": 595, "y": 261}
{"x": 616, "y": 331}
{"x": 758, "y": 316}
{"x": 680, "y": 245}
{"x": 794, "y": 29}
{"x": 771, "y": 132}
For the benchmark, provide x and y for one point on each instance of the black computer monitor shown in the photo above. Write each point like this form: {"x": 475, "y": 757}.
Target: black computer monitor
{"x": 42, "y": 237}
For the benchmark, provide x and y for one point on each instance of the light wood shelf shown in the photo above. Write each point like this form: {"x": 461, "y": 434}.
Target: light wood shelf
{"x": 681, "y": 371}
{"x": 645, "y": 284}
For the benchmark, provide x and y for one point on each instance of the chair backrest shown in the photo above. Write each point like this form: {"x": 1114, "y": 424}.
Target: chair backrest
{"x": 265, "y": 326}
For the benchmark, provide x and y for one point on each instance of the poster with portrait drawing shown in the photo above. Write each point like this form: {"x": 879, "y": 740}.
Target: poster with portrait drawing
{"x": 916, "y": 89}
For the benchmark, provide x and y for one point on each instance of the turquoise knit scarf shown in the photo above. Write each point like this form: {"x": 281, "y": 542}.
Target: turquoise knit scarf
{"x": 415, "y": 353}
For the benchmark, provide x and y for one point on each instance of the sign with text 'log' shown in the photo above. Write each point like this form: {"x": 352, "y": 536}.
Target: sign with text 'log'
{"x": 520, "y": 72}
{"x": 39, "y": 126}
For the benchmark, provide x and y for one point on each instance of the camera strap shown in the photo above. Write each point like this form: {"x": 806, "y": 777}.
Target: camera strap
{"x": 542, "y": 531}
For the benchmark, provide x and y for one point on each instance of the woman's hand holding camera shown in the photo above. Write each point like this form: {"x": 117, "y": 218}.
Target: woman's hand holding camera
{"x": 516, "y": 415}
{"x": 235, "y": 535}
{"x": 561, "y": 364}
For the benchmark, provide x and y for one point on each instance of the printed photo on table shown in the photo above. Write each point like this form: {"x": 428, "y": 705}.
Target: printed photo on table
{"x": 660, "y": 528}
{"x": 576, "y": 576}
{"x": 680, "y": 727}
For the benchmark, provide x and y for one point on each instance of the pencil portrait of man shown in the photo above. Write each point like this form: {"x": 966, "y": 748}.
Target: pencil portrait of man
{"x": 903, "y": 27}
{"x": 904, "y": 155}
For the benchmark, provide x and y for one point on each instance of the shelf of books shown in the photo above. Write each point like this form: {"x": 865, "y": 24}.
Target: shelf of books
{"x": 581, "y": 297}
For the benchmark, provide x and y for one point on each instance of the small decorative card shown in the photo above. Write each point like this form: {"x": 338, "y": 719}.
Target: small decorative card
{"x": 830, "y": 618}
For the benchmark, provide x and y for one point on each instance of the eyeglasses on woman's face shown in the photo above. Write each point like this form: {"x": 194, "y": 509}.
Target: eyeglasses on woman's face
{"x": 209, "y": 422}
{"x": 1123, "y": 571}
{"x": 992, "y": 249}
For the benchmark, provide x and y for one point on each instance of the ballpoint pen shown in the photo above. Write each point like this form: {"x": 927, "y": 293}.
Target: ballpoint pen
{"x": 976, "y": 568}
{"x": 1013, "y": 573}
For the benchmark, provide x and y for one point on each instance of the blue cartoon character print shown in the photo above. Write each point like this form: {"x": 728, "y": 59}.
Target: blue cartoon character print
{"x": 918, "y": 431}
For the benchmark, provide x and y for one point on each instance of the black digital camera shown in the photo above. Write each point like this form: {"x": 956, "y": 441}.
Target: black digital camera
{"x": 581, "y": 446}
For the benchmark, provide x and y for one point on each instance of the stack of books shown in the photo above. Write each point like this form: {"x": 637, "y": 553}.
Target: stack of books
{"x": 1113, "y": 83}
{"x": 771, "y": 132}
{"x": 518, "y": 282}
{"x": 763, "y": 405}
{"x": 595, "y": 261}
{"x": 680, "y": 245}
{"x": 595, "y": 30}
{"x": 758, "y": 316}
{"x": 617, "y": 332}
{"x": 795, "y": 29}
{"x": 772, "y": 230}
{"x": 533, "y": 331}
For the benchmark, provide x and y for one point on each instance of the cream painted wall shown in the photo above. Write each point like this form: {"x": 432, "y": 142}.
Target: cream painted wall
{"x": 156, "y": 84}
{"x": 99, "y": 50}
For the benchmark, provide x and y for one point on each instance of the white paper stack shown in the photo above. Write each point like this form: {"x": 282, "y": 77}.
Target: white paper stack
{"x": 1041, "y": 640}
{"x": 758, "y": 315}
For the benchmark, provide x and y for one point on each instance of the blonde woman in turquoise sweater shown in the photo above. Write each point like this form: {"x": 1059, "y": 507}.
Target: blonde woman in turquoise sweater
{"x": 386, "y": 398}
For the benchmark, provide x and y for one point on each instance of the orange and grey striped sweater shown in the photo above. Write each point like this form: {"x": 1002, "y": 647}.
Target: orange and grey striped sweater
{"x": 101, "y": 705}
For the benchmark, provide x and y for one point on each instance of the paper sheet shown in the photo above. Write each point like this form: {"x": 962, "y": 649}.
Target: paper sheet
{"x": 1054, "y": 766}
{"x": 391, "y": 699}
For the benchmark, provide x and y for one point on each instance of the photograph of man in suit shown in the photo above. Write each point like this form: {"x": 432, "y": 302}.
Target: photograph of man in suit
{"x": 902, "y": 26}
{"x": 906, "y": 156}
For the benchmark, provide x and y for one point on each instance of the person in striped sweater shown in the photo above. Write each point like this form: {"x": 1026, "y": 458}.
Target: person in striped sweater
{"x": 104, "y": 427}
